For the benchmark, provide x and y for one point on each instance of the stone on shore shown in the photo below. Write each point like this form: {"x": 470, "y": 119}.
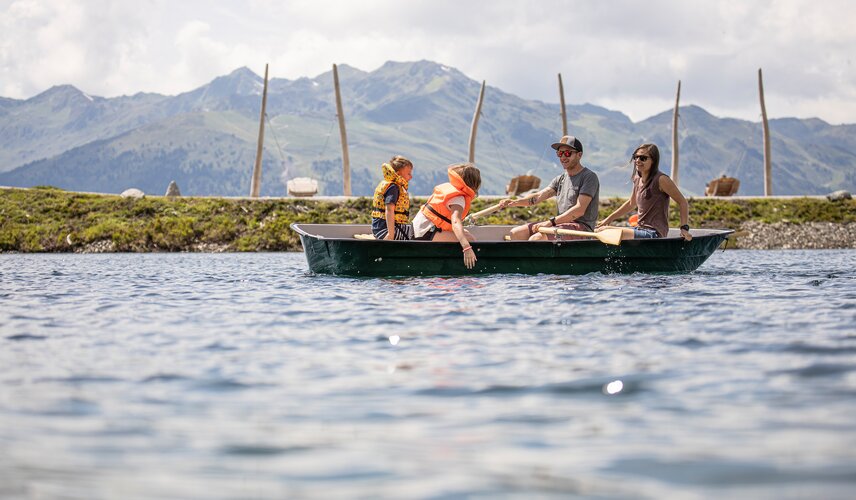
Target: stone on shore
{"x": 839, "y": 195}
{"x": 133, "y": 193}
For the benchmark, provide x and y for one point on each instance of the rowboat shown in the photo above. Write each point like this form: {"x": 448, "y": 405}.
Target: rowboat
{"x": 338, "y": 249}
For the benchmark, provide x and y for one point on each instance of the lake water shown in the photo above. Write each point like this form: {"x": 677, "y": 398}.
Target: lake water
{"x": 244, "y": 376}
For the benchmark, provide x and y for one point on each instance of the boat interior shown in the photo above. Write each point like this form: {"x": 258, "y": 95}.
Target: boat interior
{"x": 481, "y": 233}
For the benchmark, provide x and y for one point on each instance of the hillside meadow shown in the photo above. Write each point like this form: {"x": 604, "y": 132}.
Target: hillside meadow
{"x": 46, "y": 219}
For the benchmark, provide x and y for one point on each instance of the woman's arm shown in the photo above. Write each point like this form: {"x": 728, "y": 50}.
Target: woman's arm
{"x": 668, "y": 186}
{"x": 458, "y": 229}
{"x": 621, "y": 211}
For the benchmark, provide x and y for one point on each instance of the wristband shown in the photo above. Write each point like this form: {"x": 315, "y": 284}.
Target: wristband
{"x": 553, "y": 221}
{"x": 466, "y": 248}
{"x": 685, "y": 227}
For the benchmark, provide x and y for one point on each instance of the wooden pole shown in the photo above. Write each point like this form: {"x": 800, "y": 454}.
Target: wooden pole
{"x": 768, "y": 174}
{"x": 257, "y": 168}
{"x": 475, "y": 125}
{"x": 675, "y": 136}
{"x": 346, "y": 164}
{"x": 562, "y": 103}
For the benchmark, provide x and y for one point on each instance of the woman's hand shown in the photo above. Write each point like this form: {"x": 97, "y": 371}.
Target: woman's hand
{"x": 390, "y": 235}
{"x": 505, "y": 203}
{"x": 604, "y": 222}
{"x": 685, "y": 234}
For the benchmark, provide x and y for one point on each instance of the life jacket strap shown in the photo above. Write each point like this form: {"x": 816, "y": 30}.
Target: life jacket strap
{"x": 438, "y": 214}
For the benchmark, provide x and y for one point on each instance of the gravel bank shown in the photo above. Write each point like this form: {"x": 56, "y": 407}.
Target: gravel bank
{"x": 755, "y": 235}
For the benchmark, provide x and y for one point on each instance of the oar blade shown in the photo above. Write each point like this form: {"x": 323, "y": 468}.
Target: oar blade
{"x": 611, "y": 236}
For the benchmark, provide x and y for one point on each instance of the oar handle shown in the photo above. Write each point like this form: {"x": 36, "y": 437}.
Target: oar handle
{"x": 611, "y": 236}
{"x": 486, "y": 211}
{"x": 566, "y": 232}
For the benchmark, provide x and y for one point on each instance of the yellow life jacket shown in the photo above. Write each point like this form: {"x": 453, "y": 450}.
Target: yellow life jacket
{"x": 435, "y": 208}
{"x": 402, "y": 206}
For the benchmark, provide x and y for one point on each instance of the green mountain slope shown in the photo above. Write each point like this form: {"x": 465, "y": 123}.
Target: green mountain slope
{"x": 205, "y": 139}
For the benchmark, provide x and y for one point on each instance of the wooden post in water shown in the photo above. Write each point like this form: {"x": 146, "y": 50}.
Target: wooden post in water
{"x": 562, "y": 103}
{"x": 257, "y": 168}
{"x": 768, "y": 174}
{"x": 475, "y": 125}
{"x": 675, "y": 136}
{"x": 346, "y": 164}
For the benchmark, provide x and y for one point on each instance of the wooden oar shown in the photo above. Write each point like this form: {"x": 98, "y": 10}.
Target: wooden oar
{"x": 611, "y": 236}
{"x": 487, "y": 211}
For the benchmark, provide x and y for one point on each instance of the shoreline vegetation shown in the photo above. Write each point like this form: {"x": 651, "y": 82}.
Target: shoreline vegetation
{"x": 47, "y": 219}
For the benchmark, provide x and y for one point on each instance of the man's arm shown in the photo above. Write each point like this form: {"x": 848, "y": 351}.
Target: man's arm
{"x": 544, "y": 194}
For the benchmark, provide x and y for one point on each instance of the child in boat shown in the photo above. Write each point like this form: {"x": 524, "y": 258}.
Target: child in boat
{"x": 391, "y": 203}
{"x": 439, "y": 219}
{"x": 651, "y": 192}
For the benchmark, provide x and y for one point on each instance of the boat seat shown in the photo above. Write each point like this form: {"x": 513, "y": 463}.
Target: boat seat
{"x": 724, "y": 186}
{"x": 522, "y": 183}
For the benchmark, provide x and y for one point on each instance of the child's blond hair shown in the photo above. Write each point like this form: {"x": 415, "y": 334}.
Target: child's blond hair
{"x": 398, "y": 162}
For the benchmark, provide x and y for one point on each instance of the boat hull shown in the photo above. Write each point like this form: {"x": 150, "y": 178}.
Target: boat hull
{"x": 332, "y": 249}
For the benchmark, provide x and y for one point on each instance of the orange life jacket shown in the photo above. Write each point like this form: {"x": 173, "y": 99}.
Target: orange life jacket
{"x": 435, "y": 208}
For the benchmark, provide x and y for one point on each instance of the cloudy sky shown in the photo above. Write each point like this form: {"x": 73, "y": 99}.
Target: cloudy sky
{"x": 625, "y": 55}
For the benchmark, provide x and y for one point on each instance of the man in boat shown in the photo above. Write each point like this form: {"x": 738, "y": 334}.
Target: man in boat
{"x": 577, "y": 193}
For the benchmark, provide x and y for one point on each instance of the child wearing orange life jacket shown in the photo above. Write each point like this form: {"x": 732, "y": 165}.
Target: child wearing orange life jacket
{"x": 391, "y": 203}
{"x": 439, "y": 219}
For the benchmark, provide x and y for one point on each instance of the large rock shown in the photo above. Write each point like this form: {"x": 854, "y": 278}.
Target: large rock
{"x": 172, "y": 189}
{"x": 133, "y": 193}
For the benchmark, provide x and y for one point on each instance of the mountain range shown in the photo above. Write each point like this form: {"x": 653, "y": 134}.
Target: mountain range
{"x": 205, "y": 139}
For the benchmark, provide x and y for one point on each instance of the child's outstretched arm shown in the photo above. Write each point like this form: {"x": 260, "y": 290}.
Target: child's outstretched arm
{"x": 458, "y": 229}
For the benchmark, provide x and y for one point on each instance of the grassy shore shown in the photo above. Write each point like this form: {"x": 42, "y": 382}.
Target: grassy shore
{"x": 47, "y": 219}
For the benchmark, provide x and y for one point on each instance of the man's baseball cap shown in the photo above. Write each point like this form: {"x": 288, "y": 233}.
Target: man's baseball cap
{"x": 570, "y": 141}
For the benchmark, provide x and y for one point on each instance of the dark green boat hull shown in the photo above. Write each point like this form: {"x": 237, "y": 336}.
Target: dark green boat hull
{"x": 329, "y": 251}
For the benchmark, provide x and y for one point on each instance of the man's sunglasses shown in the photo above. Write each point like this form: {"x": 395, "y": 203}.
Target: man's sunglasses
{"x": 566, "y": 153}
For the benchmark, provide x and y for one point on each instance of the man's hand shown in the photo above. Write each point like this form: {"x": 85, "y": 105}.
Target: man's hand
{"x": 546, "y": 223}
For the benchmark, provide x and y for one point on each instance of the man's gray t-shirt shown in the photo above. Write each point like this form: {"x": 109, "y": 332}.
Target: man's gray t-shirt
{"x": 569, "y": 187}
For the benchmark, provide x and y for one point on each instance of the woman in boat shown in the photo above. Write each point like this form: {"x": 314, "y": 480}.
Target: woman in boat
{"x": 652, "y": 190}
{"x": 391, "y": 202}
{"x": 439, "y": 219}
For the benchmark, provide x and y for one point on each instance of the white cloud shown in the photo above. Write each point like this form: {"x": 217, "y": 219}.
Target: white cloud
{"x": 623, "y": 54}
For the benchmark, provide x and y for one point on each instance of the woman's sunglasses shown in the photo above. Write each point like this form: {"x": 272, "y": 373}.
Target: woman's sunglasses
{"x": 641, "y": 157}
{"x": 566, "y": 153}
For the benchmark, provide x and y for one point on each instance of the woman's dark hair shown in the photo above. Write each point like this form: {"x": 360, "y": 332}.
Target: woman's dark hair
{"x": 654, "y": 152}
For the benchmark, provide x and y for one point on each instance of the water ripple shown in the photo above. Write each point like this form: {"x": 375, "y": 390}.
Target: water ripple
{"x": 246, "y": 376}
